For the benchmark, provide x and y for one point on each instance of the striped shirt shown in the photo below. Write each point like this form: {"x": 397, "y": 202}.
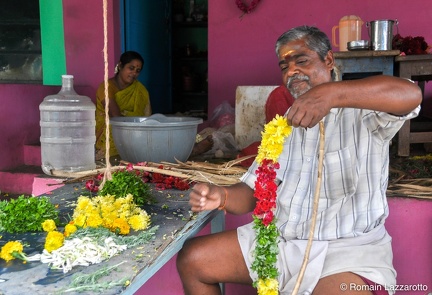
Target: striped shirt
{"x": 354, "y": 181}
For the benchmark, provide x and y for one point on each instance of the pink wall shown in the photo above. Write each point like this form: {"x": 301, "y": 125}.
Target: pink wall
{"x": 19, "y": 120}
{"x": 84, "y": 41}
{"x": 19, "y": 114}
{"x": 410, "y": 225}
{"x": 241, "y": 51}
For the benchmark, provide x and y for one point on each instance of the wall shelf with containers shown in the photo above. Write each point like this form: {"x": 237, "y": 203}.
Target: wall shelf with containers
{"x": 189, "y": 60}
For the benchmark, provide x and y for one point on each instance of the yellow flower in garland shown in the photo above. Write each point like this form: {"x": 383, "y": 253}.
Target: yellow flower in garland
{"x": 12, "y": 250}
{"x": 268, "y": 287}
{"x": 273, "y": 138}
{"x": 53, "y": 241}
{"x": 49, "y": 225}
{"x": 266, "y": 250}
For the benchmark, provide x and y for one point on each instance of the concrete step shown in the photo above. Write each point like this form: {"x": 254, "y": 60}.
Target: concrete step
{"x": 20, "y": 179}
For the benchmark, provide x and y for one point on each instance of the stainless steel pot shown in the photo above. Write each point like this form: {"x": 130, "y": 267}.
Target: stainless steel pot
{"x": 381, "y": 33}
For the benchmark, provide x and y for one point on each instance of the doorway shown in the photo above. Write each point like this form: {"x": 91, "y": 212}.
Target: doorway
{"x": 145, "y": 28}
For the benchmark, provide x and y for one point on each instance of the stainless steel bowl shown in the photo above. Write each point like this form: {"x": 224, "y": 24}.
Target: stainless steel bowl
{"x": 358, "y": 45}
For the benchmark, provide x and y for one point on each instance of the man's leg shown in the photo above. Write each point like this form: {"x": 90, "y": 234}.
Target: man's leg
{"x": 206, "y": 261}
{"x": 346, "y": 283}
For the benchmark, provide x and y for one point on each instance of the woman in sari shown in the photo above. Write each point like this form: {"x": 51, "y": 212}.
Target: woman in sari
{"x": 127, "y": 97}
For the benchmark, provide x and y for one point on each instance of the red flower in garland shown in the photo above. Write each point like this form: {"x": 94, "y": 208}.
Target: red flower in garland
{"x": 266, "y": 249}
{"x": 265, "y": 191}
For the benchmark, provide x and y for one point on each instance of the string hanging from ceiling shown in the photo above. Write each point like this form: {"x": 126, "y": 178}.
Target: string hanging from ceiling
{"x": 107, "y": 172}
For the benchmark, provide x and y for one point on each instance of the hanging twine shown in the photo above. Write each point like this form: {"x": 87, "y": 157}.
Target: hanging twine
{"x": 107, "y": 173}
{"x": 314, "y": 210}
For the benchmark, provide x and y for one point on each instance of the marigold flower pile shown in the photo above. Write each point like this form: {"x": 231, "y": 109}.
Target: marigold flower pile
{"x": 117, "y": 214}
{"x": 266, "y": 249}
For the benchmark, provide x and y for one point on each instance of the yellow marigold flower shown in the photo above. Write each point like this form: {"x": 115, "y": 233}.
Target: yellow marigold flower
{"x": 273, "y": 137}
{"x": 94, "y": 220}
{"x": 54, "y": 240}
{"x": 268, "y": 287}
{"x": 137, "y": 210}
{"x": 120, "y": 226}
{"x": 129, "y": 198}
{"x": 107, "y": 209}
{"x": 80, "y": 220}
{"x": 49, "y": 225}
{"x": 9, "y": 249}
{"x": 139, "y": 222}
{"x": 108, "y": 219}
{"x": 82, "y": 203}
{"x": 69, "y": 229}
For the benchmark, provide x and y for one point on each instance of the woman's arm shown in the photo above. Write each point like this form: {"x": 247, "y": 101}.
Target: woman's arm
{"x": 114, "y": 110}
{"x": 147, "y": 110}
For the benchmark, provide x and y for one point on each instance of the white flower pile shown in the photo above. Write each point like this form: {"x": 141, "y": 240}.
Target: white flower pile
{"x": 81, "y": 251}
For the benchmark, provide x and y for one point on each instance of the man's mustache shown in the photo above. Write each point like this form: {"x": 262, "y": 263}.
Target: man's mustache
{"x": 296, "y": 78}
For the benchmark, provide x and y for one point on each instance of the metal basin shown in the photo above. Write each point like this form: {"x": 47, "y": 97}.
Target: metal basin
{"x": 154, "y": 139}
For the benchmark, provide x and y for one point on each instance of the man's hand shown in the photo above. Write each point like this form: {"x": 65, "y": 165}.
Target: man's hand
{"x": 309, "y": 108}
{"x": 205, "y": 197}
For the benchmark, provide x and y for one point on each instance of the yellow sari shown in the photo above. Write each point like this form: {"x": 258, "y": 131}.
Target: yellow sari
{"x": 133, "y": 101}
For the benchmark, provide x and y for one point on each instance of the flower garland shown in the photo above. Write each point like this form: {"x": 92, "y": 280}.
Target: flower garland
{"x": 266, "y": 250}
{"x": 247, "y": 9}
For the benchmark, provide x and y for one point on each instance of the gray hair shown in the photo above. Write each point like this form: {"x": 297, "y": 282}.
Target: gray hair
{"x": 315, "y": 39}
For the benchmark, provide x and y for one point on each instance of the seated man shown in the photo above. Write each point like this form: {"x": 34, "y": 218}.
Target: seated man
{"x": 351, "y": 246}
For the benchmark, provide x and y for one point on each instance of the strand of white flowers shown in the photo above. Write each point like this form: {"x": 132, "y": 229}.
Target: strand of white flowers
{"x": 83, "y": 252}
